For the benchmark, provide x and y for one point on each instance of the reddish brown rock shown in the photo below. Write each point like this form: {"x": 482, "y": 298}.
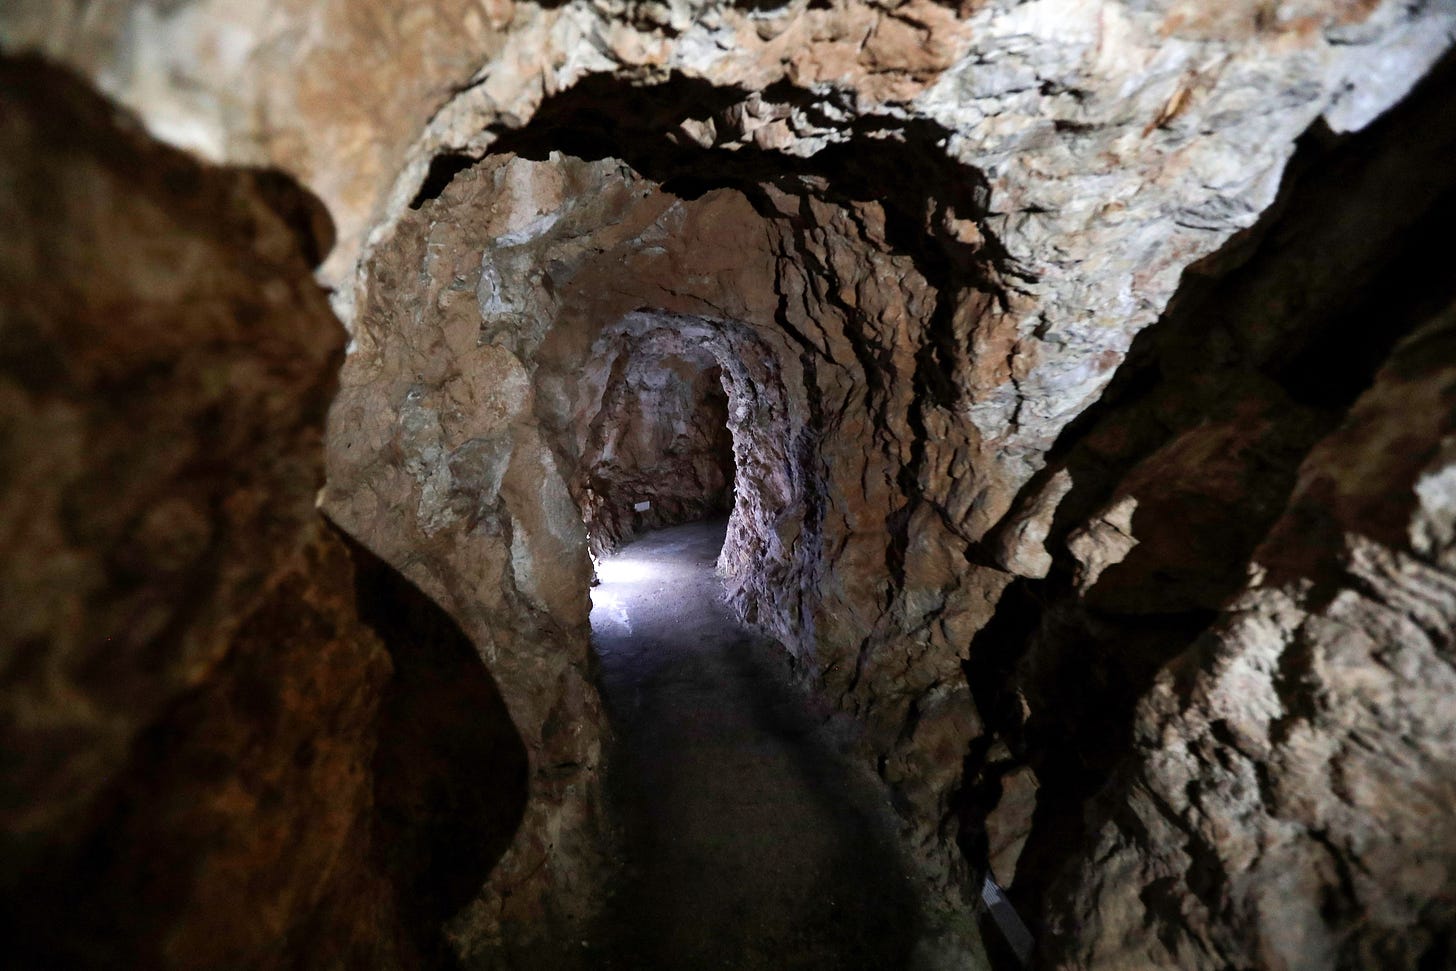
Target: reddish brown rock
{"x": 659, "y": 451}
{"x": 527, "y": 337}
{"x": 211, "y": 758}
{"x": 989, "y": 483}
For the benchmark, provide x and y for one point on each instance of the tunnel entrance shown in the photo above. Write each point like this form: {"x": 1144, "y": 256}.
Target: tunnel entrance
{"x": 748, "y": 838}
{"x": 659, "y": 452}
{"x": 590, "y": 353}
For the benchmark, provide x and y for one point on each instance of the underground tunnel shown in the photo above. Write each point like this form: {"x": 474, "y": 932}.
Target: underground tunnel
{"x": 659, "y": 451}
{"x": 775, "y": 485}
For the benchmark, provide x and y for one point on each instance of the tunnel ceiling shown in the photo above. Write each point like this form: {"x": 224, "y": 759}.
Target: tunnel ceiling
{"x": 1093, "y": 150}
{"x": 1089, "y": 152}
{"x": 1073, "y": 459}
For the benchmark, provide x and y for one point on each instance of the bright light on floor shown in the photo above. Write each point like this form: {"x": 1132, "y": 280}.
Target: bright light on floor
{"x": 618, "y": 570}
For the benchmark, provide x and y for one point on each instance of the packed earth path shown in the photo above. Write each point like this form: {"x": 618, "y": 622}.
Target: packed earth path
{"x": 750, "y": 840}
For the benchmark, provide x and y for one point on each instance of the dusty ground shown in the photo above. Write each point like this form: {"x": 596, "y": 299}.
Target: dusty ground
{"x": 750, "y": 841}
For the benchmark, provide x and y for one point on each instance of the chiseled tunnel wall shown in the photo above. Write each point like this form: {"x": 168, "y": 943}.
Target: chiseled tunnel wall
{"x": 658, "y": 449}
{"x": 1089, "y": 395}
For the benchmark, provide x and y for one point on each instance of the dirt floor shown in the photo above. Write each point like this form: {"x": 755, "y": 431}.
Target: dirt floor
{"x": 750, "y": 841}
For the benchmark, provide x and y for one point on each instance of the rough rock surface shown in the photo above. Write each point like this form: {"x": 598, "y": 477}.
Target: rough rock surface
{"x": 211, "y": 759}
{"x": 1207, "y": 584}
{"x": 918, "y": 240}
{"x": 1114, "y": 143}
{"x": 659, "y": 452}
{"x": 1289, "y": 801}
{"x": 478, "y": 384}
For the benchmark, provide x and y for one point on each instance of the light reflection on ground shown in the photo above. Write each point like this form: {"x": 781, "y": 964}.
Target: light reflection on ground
{"x": 750, "y": 841}
{"x": 623, "y": 568}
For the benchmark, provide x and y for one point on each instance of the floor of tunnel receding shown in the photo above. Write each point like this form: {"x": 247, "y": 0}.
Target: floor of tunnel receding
{"x": 749, "y": 839}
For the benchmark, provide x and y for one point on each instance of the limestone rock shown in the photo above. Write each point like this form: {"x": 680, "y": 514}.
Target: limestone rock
{"x": 1233, "y": 617}
{"x": 1296, "y": 767}
{"x": 659, "y": 451}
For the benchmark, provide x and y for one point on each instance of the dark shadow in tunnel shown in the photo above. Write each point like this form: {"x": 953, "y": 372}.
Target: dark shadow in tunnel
{"x": 870, "y": 877}
{"x": 450, "y": 770}
{"x": 715, "y": 408}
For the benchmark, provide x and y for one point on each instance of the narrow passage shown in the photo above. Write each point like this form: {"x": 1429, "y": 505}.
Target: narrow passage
{"x": 751, "y": 842}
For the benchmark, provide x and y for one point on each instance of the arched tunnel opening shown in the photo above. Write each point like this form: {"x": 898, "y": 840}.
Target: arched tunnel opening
{"x": 660, "y": 452}
{"x": 823, "y": 486}
{"x": 670, "y": 381}
{"x": 745, "y": 835}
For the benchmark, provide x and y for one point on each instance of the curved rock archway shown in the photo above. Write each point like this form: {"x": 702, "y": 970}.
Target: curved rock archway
{"x": 472, "y": 393}
{"x": 659, "y": 451}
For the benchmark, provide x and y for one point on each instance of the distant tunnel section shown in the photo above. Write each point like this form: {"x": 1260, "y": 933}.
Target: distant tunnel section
{"x": 659, "y": 452}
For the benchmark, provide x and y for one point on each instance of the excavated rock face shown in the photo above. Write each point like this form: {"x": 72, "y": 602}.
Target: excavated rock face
{"x": 659, "y": 451}
{"x": 1094, "y": 633}
{"x": 1267, "y": 638}
{"x": 212, "y": 757}
{"x": 492, "y": 379}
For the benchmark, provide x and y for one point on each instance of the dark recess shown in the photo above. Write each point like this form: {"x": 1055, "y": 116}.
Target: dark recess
{"x": 450, "y": 770}
{"x": 443, "y": 169}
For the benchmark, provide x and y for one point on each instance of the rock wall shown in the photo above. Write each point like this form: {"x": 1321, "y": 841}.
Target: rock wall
{"x": 843, "y": 318}
{"x": 1288, "y": 801}
{"x": 437, "y": 463}
{"x": 659, "y": 451}
{"x": 919, "y": 241}
{"x": 212, "y": 757}
{"x": 1246, "y": 624}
